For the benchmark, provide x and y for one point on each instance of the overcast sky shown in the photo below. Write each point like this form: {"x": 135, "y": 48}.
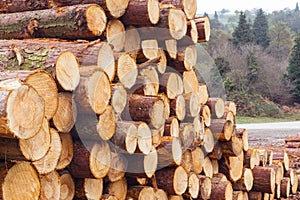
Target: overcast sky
{"x": 210, "y": 6}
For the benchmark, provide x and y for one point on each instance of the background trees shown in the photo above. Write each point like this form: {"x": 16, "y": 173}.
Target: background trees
{"x": 260, "y": 29}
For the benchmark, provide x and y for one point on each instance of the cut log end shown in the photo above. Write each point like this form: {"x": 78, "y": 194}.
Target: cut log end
{"x": 119, "y": 98}
{"x": 190, "y": 57}
{"x": 150, "y": 163}
{"x": 177, "y": 23}
{"x": 96, "y": 19}
{"x": 66, "y": 155}
{"x": 100, "y": 159}
{"x": 150, "y": 49}
{"x": 127, "y": 70}
{"x": 193, "y": 185}
{"x": 131, "y": 139}
{"x": 93, "y": 188}
{"x": 67, "y": 187}
{"x": 67, "y": 71}
{"x": 117, "y": 8}
{"x": 153, "y": 11}
{"x": 180, "y": 180}
{"x": 144, "y": 138}
{"x": 115, "y": 33}
{"x": 50, "y": 186}
{"x": 190, "y": 8}
{"x": 107, "y": 124}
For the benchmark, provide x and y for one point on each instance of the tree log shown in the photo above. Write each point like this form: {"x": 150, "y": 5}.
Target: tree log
{"x": 246, "y": 182}
{"x": 217, "y": 152}
{"x": 192, "y": 105}
{"x": 215, "y": 166}
{"x": 10, "y": 150}
{"x": 132, "y": 41}
{"x": 186, "y": 59}
{"x": 147, "y": 82}
{"x": 264, "y": 179}
{"x": 172, "y": 129}
{"x": 106, "y": 126}
{"x": 230, "y": 107}
{"x": 117, "y": 166}
{"x": 34, "y": 24}
{"x": 127, "y": 70}
{"x": 66, "y": 155}
{"x": 67, "y": 186}
{"x": 140, "y": 192}
{"x": 197, "y": 160}
{"x": 21, "y": 110}
{"x": 243, "y": 134}
{"x": 193, "y": 186}
{"x": 282, "y": 156}
{"x": 207, "y": 167}
{"x": 232, "y": 167}
{"x": 21, "y": 5}
{"x": 205, "y": 187}
{"x": 292, "y": 144}
{"x": 234, "y": 147}
{"x": 279, "y": 172}
{"x": 171, "y": 84}
{"x": 221, "y": 129}
{"x": 169, "y": 152}
{"x": 208, "y": 141}
{"x": 115, "y": 34}
{"x": 263, "y": 156}
{"x": 221, "y": 189}
{"x": 187, "y": 161}
{"x": 203, "y": 27}
{"x": 177, "y": 107}
{"x": 173, "y": 180}
{"x": 285, "y": 187}
{"x": 187, "y": 135}
{"x": 206, "y": 115}
{"x": 118, "y": 189}
{"x": 251, "y": 158}
{"x": 50, "y": 186}
{"x": 292, "y": 139}
{"x": 216, "y": 106}
{"x": 189, "y": 7}
{"x": 253, "y": 195}
{"x": 118, "y": 98}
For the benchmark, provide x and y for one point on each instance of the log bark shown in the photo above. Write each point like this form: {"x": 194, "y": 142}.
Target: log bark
{"x": 285, "y": 187}
{"x": 221, "y": 129}
{"x": 172, "y": 129}
{"x": 173, "y": 180}
{"x": 205, "y": 187}
{"x": 93, "y": 162}
{"x": 67, "y": 186}
{"x": 191, "y": 36}
{"x": 49, "y": 162}
{"x": 238, "y": 195}
{"x": 279, "y": 172}
{"x": 251, "y": 158}
{"x": 169, "y": 152}
{"x": 50, "y": 186}
{"x": 215, "y": 166}
{"x": 203, "y": 27}
{"x": 292, "y": 139}
{"x": 17, "y": 178}
{"x": 55, "y": 23}
{"x": 189, "y": 7}
{"x": 186, "y": 59}
{"x": 292, "y": 144}
{"x": 246, "y": 182}
{"x": 171, "y": 84}
{"x": 232, "y": 167}
{"x": 66, "y": 114}
{"x": 21, "y": 6}
{"x": 21, "y": 110}
{"x": 282, "y": 156}
{"x": 10, "y": 150}
{"x": 217, "y": 152}
{"x": 177, "y": 107}
{"x": 253, "y": 195}
{"x": 221, "y": 189}
{"x": 264, "y": 179}
{"x": 216, "y": 106}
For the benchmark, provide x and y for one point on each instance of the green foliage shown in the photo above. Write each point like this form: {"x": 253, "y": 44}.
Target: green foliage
{"x": 222, "y": 65}
{"x": 290, "y": 17}
{"x": 294, "y": 69}
{"x": 260, "y": 29}
{"x": 242, "y": 33}
{"x": 216, "y": 25}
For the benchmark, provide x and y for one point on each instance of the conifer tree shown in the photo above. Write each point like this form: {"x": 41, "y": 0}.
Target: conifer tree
{"x": 260, "y": 29}
{"x": 242, "y": 33}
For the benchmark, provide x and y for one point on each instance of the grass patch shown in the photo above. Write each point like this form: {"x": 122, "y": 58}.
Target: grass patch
{"x": 250, "y": 120}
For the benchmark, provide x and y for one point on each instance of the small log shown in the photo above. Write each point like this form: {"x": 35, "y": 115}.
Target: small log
{"x": 186, "y": 60}
{"x": 171, "y": 84}
{"x": 279, "y": 172}
{"x": 232, "y": 167}
{"x": 282, "y": 156}
{"x": 221, "y": 129}
{"x": 193, "y": 186}
{"x": 189, "y": 7}
{"x": 66, "y": 155}
{"x": 144, "y": 141}
{"x": 50, "y": 186}
{"x": 117, "y": 168}
{"x": 270, "y": 157}
{"x": 199, "y": 128}
{"x": 197, "y": 160}
{"x": 89, "y": 188}
{"x": 171, "y": 48}
{"x": 118, "y": 189}
{"x": 192, "y": 105}
{"x": 216, "y": 106}
{"x": 208, "y": 141}
{"x": 161, "y": 195}
{"x": 66, "y": 114}
{"x": 295, "y": 185}
{"x": 203, "y": 93}
{"x": 243, "y": 134}
{"x": 105, "y": 60}
{"x": 149, "y": 109}
{"x": 263, "y": 157}
{"x": 150, "y": 49}
{"x": 49, "y": 162}
{"x": 19, "y": 180}
{"x": 147, "y": 82}
{"x": 205, "y": 187}
{"x": 264, "y": 179}
{"x": 132, "y": 41}
{"x": 190, "y": 82}
{"x": 246, "y": 182}
{"x": 118, "y": 98}
{"x": 140, "y": 192}
{"x": 221, "y": 189}
{"x": 229, "y": 116}
{"x": 127, "y": 70}
{"x": 115, "y": 34}
{"x": 67, "y": 186}
{"x": 172, "y": 129}
{"x": 217, "y": 152}
{"x": 234, "y": 147}
{"x": 23, "y": 100}
{"x": 290, "y": 174}
{"x": 187, "y": 136}
{"x": 106, "y": 126}
{"x": 187, "y": 161}
{"x": 157, "y": 134}
{"x": 169, "y": 152}
{"x": 292, "y": 144}
{"x": 33, "y": 24}
{"x": 93, "y": 162}
{"x": 230, "y": 107}
{"x": 253, "y": 195}
{"x": 29, "y": 147}
{"x": 203, "y": 27}
{"x": 191, "y": 36}
{"x": 172, "y": 180}
{"x": 285, "y": 187}
{"x": 207, "y": 167}
{"x": 162, "y": 64}
{"x": 177, "y": 107}
{"x": 206, "y": 115}
{"x": 251, "y": 158}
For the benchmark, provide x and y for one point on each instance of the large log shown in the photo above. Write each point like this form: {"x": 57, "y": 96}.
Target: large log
{"x": 20, "y": 180}
{"x": 12, "y": 6}
{"x": 21, "y": 110}
{"x": 192, "y": 105}
{"x": 264, "y": 179}
{"x": 208, "y": 141}
{"x": 89, "y": 22}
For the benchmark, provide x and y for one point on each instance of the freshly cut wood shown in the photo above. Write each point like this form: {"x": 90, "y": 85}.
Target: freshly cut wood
{"x": 90, "y": 22}
{"x": 114, "y": 8}
{"x": 171, "y": 48}
{"x": 67, "y": 186}
{"x": 92, "y": 82}
{"x": 21, "y": 110}
{"x": 217, "y": 152}
{"x": 66, "y": 155}
{"x": 215, "y": 166}
{"x": 221, "y": 189}
{"x": 107, "y": 124}
{"x": 150, "y": 49}
{"x": 173, "y": 180}
{"x": 89, "y": 188}
{"x": 192, "y": 105}
{"x": 232, "y": 167}
{"x": 21, "y": 6}
{"x": 33, "y": 149}
{"x": 162, "y": 65}
{"x": 291, "y": 174}
{"x": 203, "y": 27}
{"x": 243, "y": 134}
{"x": 177, "y": 107}
{"x": 221, "y": 129}
{"x": 206, "y": 115}
{"x": 292, "y": 139}
{"x": 187, "y": 135}
{"x": 251, "y": 158}
{"x": 266, "y": 196}
{"x": 50, "y": 186}
{"x": 187, "y": 161}
{"x": 191, "y": 36}
{"x": 161, "y": 195}
{"x": 117, "y": 167}
{"x": 149, "y": 109}
{"x": 132, "y": 41}
{"x": 264, "y": 179}
{"x": 171, "y": 84}
{"x": 229, "y": 116}
{"x": 205, "y": 187}
{"x": 279, "y": 172}
{"x": 193, "y": 186}
{"x": 115, "y": 34}
{"x": 190, "y": 82}
{"x": 230, "y": 106}
{"x": 197, "y": 160}
{"x": 93, "y": 162}
{"x": 157, "y": 134}
{"x": 282, "y": 156}
{"x": 118, "y": 189}
{"x": 169, "y": 152}
{"x": 285, "y": 187}
{"x": 144, "y": 135}
{"x": 216, "y": 106}
{"x": 199, "y": 128}
{"x": 295, "y": 186}
{"x": 20, "y": 180}
{"x": 234, "y": 147}
{"x": 46, "y": 87}
{"x": 246, "y": 182}
{"x": 177, "y": 23}
{"x": 66, "y": 114}
{"x": 186, "y": 59}
{"x": 149, "y": 82}
{"x": 172, "y": 129}
{"x": 270, "y": 157}
{"x": 203, "y": 93}
{"x": 118, "y": 98}
{"x": 127, "y": 70}
{"x": 49, "y": 162}
{"x": 208, "y": 141}
{"x": 277, "y": 193}
{"x": 253, "y": 195}
{"x": 263, "y": 156}
{"x": 126, "y": 136}
{"x": 207, "y": 167}
{"x": 141, "y": 192}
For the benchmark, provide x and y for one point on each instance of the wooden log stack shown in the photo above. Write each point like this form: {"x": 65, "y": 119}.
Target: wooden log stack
{"x": 115, "y": 110}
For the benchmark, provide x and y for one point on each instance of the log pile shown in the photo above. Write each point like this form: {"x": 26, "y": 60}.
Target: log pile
{"x": 81, "y": 118}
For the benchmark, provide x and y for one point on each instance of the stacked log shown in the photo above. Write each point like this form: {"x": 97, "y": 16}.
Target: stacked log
{"x": 88, "y": 119}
